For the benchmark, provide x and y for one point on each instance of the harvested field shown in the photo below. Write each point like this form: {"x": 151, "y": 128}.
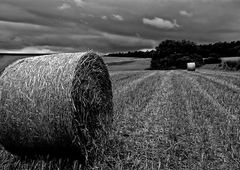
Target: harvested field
{"x": 117, "y": 59}
{"x": 180, "y": 120}
{"x": 127, "y": 64}
{"x": 173, "y": 120}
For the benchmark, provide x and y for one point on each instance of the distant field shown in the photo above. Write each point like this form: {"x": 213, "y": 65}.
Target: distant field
{"x": 117, "y": 59}
{"x": 230, "y": 58}
{"x": 127, "y": 63}
{"x": 217, "y": 67}
{"x": 6, "y": 60}
{"x": 138, "y": 64}
{"x": 231, "y": 64}
{"x": 211, "y": 66}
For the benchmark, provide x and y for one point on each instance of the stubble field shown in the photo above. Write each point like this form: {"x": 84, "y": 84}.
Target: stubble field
{"x": 166, "y": 120}
{"x": 178, "y": 119}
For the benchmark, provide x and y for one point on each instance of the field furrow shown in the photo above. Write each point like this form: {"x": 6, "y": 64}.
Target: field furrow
{"x": 211, "y": 98}
{"x": 182, "y": 132}
{"x": 188, "y": 103}
{"x": 221, "y": 73}
{"x": 205, "y": 113}
{"x": 222, "y": 80}
{"x": 133, "y": 83}
{"x": 131, "y": 96}
{"x": 225, "y": 97}
{"x": 143, "y": 119}
{"x": 222, "y": 124}
{"x": 229, "y": 78}
{"x": 122, "y": 79}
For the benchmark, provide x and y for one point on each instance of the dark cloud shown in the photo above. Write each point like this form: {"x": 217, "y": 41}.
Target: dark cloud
{"x": 106, "y": 25}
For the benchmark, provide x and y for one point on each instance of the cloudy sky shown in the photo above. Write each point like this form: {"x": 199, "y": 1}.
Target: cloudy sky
{"x": 113, "y": 25}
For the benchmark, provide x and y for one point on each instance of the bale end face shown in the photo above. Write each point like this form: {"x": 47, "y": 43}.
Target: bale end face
{"x": 95, "y": 124}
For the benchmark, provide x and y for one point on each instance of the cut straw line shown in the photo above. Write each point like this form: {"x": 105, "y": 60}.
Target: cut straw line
{"x": 134, "y": 83}
{"x": 221, "y": 73}
{"x": 211, "y": 99}
{"x": 219, "y": 81}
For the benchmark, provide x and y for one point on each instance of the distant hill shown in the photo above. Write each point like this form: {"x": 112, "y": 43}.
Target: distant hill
{"x": 23, "y": 54}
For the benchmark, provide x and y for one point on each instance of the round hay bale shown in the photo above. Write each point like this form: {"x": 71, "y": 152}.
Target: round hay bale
{"x": 58, "y": 104}
{"x": 191, "y": 66}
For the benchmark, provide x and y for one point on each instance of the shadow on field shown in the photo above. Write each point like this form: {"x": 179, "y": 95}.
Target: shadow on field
{"x": 115, "y": 153}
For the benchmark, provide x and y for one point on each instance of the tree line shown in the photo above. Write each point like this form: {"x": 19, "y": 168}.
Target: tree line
{"x": 171, "y": 54}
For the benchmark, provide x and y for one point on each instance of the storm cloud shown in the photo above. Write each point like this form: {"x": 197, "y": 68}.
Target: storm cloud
{"x": 109, "y": 26}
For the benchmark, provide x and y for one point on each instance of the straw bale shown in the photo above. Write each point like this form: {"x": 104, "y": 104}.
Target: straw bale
{"x": 191, "y": 66}
{"x": 58, "y": 104}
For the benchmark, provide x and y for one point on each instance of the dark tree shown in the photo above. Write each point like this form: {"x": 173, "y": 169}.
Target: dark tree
{"x": 171, "y": 54}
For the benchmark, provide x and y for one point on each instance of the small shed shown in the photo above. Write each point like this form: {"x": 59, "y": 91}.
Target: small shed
{"x": 191, "y": 66}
